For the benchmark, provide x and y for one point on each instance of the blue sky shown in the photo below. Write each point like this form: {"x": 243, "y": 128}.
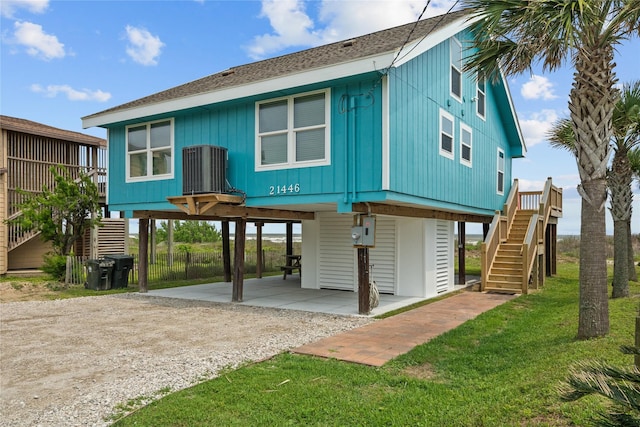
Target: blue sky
{"x": 62, "y": 60}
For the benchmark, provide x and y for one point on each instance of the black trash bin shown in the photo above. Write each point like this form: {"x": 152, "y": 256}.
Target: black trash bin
{"x": 122, "y": 265}
{"x": 99, "y": 274}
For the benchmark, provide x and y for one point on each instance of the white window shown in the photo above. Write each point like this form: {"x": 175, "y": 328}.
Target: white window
{"x": 456, "y": 68}
{"x": 500, "y": 187}
{"x": 150, "y": 150}
{"x": 466, "y": 138}
{"x": 293, "y": 131}
{"x": 481, "y": 97}
{"x": 446, "y": 134}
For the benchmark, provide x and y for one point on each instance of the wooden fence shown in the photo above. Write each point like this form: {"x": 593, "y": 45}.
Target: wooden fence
{"x": 181, "y": 266}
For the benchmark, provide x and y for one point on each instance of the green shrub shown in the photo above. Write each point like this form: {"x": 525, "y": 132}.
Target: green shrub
{"x": 55, "y": 266}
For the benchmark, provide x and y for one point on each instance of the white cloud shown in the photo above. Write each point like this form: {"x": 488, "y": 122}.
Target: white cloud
{"x": 8, "y": 8}
{"x": 37, "y": 42}
{"x": 144, "y": 48}
{"x": 538, "y": 87}
{"x": 536, "y": 127}
{"x": 292, "y": 25}
{"x": 72, "y": 94}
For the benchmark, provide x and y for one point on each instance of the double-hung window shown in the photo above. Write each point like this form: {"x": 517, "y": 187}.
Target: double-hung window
{"x": 465, "y": 144}
{"x": 456, "y": 68}
{"x": 293, "y": 131}
{"x": 150, "y": 150}
{"x": 481, "y": 97}
{"x": 500, "y": 187}
{"x": 446, "y": 134}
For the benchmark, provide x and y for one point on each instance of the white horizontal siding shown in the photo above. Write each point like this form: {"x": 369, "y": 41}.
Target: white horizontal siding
{"x": 442, "y": 256}
{"x": 336, "y": 253}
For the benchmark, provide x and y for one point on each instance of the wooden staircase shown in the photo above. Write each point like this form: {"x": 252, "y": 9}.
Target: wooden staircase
{"x": 506, "y": 271}
{"x": 519, "y": 248}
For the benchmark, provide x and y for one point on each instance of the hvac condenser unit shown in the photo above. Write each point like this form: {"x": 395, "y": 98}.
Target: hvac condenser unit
{"x": 204, "y": 169}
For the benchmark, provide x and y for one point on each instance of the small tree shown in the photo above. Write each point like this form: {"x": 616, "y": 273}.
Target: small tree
{"x": 62, "y": 213}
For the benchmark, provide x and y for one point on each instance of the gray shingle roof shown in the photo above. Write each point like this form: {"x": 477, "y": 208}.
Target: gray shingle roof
{"x": 314, "y": 58}
{"x": 35, "y": 128}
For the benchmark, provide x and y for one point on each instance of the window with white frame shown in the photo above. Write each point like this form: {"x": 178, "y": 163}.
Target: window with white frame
{"x": 150, "y": 150}
{"x": 293, "y": 131}
{"x": 456, "y": 68}
{"x": 481, "y": 97}
{"x": 446, "y": 134}
{"x": 500, "y": 187}
{"x": 466, "y": 138}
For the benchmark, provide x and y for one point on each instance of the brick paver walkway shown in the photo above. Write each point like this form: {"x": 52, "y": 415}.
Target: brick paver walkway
{"x": 378, "y": 342}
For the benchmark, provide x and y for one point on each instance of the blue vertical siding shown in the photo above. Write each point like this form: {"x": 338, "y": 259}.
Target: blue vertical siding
{"x": 356, "y": 156}
{"x": 418, "y": 89}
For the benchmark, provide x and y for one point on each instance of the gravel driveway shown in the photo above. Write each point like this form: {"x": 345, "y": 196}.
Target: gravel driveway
{"x": 70, "y": 362}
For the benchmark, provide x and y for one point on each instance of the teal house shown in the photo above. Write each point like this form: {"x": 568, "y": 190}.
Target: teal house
{"x": 387, "y": 125}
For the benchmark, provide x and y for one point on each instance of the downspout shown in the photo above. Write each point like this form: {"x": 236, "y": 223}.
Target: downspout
{"x": 352, "y": 107}
{"x": 346, "y": 149}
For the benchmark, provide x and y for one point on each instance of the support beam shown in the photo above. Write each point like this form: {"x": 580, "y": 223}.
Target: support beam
{"x": 238, "y": 265}
{"x": 143, "y": 255}
{"x": 364, "y": 303}
{"x": 222, "y": 211}
{"x": 199, "y": 204}
{"x": 414, "y": 212}
{"x": 226, "y": 251}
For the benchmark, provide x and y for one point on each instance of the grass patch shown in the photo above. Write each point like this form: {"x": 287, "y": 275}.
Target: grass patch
{"x": 503, "y": 368}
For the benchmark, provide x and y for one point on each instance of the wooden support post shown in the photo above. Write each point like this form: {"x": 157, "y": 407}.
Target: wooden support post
{"x": 289, "y": 242}
{"x": 462, "y": 274}
{"x": 238, "y": 263}
{"x": 226, "y": 251}
{"x": 259, "y": 260}
{"x": 364, "y": 304}
{"x": 143, "y": 255}
{"x": 550, "y": 249}
{"x": 485, "y": 230}
{"x": 152, "y": 238}
{"x": 126, "y": 233}
{"x": 170, "y": 242}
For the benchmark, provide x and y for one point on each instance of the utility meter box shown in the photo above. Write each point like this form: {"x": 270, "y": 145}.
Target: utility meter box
{"x": 364, "y": 235}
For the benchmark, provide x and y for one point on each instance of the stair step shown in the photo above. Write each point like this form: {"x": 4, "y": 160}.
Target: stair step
{"x": 514, "y": 271}
{"x": 505, "y": 278}
{"x": 495, "y": 284}
{"x": 502, "y": 290}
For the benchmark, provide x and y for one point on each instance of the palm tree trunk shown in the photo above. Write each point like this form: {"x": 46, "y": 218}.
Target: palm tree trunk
{"x": 593, "y": 316}
{"x": 592, "y": 101}
{"x": 633, "y": 275}
{"x": 620, "y": 178}
{"x": 620, "y": 260}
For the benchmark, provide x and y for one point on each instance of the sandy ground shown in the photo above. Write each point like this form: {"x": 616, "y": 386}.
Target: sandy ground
{"x": 70, "y": 362}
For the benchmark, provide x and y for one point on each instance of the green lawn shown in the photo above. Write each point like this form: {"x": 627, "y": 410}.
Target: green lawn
{"x": 503, "y": 368}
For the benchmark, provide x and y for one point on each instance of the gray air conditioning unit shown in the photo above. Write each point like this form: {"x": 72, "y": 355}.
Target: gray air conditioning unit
{"x": 204, "y": 169}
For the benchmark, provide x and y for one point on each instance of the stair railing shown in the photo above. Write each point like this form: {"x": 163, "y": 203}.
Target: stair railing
{"x": 498, "y": 233}
{"x": 533, "y": 244}
{"x": 16, "y": 234}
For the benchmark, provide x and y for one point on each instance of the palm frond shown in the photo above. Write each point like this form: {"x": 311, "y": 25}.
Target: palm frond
{"x": 626, "y": 116}
{"x": 561, "y": 136}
